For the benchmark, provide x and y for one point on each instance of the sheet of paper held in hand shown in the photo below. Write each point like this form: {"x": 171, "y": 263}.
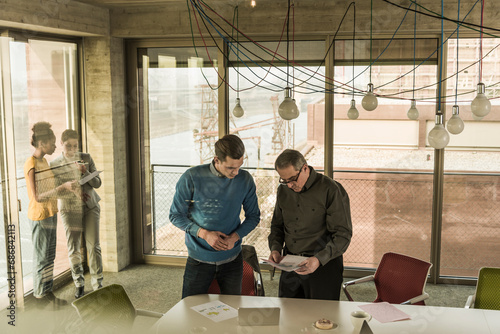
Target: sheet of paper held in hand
{"x": 89, "y": 177}
{"x": 216, "y": 311}
{"x": 385, "y": 312}
{"x": 288, "y": 263}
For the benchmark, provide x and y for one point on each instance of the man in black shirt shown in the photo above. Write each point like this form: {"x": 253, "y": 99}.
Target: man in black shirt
{"x": 311, "y": 218}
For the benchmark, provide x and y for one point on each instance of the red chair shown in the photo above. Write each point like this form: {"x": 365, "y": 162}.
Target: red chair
{"x": 251, "y": 284}
{"x": 399, "y": 279}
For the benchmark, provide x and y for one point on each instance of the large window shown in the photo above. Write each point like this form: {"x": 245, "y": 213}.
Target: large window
{"x": 262, "y": 79}
{"x": 181, "y": 117}
{"x": 471, "y": 215}
{"x": 182, "y": 95}
{"x": 380, "y": 157}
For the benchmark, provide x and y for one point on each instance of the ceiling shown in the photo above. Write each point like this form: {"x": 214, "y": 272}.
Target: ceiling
{"x": 128, "y": 3}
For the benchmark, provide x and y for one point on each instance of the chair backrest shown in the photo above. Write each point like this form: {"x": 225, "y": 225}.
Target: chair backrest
{"x": 399, "y": 278}
{"x": 250, "y": 268}
{"x": 488, "y": 289}
{"x": 108, "y": 308}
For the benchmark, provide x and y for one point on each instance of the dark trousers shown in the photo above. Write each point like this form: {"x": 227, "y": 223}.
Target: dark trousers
{"x": 324, "y": 283}
{"x": 199, "y": 275}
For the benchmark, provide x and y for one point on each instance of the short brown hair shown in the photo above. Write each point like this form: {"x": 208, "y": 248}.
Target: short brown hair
{"x": 229, "y": 146}
{"x": 69, "y": 134}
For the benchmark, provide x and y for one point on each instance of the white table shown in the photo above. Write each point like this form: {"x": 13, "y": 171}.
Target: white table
{"x": 298, "y": 315}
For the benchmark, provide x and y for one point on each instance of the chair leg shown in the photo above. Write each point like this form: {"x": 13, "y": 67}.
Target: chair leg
{"x": 272, "y": 272}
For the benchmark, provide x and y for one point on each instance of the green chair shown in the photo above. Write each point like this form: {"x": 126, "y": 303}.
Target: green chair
{"x": 487, "y": 294}
{"x": 109, "y": 310}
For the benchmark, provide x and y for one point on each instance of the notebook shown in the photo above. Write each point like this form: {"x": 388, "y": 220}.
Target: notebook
{"x": 259, "y": 316}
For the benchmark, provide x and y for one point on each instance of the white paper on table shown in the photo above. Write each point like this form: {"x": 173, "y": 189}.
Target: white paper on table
{"x": 89, "y": 177}
{"x": 385, "y": 312}
{"x": 216, "y": 311}
{"x": 287, "y": 263}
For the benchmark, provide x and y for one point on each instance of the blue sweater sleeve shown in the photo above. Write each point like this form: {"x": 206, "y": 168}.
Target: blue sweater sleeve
{"x": 183, "y": 199}
{"x": 251, "y": 208}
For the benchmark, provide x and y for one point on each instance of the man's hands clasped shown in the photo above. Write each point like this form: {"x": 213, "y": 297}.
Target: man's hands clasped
{"x": 218, "y": 240}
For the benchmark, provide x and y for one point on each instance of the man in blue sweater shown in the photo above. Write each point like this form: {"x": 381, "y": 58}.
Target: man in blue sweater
{"x": 207, "y": 206}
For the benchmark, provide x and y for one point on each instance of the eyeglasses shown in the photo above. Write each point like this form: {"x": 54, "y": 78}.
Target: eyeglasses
{"x": 292, "y": 179}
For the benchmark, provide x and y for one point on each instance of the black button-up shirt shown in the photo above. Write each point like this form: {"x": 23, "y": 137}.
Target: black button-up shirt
{"x": 315, "y": 221}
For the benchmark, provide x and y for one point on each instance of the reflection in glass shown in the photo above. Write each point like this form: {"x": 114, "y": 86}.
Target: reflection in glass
{"x": 44, "y": 80}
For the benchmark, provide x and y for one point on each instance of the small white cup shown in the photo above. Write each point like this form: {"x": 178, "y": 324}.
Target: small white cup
{"x": 357, "y": 318}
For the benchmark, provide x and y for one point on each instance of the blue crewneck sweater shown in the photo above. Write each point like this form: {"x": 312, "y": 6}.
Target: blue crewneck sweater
{"x": 204, "y": 200}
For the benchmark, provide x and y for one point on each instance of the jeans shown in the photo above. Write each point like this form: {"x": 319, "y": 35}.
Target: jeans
{"x": 199, "y": 275}
{"x": 86, "y": 222}
{"x": 44, "y": 238}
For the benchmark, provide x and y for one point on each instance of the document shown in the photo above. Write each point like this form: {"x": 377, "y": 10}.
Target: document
{"x": 385, "y": 312}
{"x": 288, "y": 263}
{"x": 89, "y": 177}
{"x": 216, "y": 311}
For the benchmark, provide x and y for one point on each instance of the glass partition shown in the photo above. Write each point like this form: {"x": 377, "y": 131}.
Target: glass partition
{"x": 44, "y": 82}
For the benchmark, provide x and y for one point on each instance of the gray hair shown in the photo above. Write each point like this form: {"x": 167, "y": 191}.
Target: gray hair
{"x": 290, "y": 158}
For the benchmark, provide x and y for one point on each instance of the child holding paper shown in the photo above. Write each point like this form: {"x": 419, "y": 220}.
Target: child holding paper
{"x": 80, "y": 211}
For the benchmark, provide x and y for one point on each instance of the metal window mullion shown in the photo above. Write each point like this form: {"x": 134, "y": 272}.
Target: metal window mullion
{"x": 438, "y": 180}
{"x": 9, "y": 179}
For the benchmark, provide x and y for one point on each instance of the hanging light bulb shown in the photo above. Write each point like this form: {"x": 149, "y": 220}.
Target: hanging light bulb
{"x": 253, "y": 3}
{"x": 238, "y": 110}
{"x": 353, "y": 113}
{"x": 480, "y": 106}
{"x": 369, "y": 101}
{"x": 455, "y": 125}
{"x": 438, "y": 136}
{"x": 413, "y": 111}
{"x": 288, "y": 109}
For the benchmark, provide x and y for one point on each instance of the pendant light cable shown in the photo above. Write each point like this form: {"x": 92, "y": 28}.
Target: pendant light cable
{"x": 353, "y": 38}
{"x": 458, "y": 41}
{"x": 237, "y": 52}
{"x": 371, "y": 34}
{"x": 414, "y": 49}
{"x": 287, "y": 44}
{"x": 481, "y": 45}
{"x": 293, "y": 49}
{"x": 441, "y": 57}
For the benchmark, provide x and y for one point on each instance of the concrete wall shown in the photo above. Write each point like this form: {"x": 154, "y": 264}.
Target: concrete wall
{"x": 104, "y": 64}
{"x": 54, "y": 16}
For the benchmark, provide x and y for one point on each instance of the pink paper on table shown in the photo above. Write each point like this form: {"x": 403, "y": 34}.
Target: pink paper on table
{"x": 385, "y": 312}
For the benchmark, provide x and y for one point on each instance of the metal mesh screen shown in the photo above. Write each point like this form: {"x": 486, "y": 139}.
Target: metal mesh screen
{"x": 471, "y": 224}
{"x": 390, "y": 212}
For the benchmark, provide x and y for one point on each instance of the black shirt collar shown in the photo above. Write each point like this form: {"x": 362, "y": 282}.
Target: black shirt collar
{"x": 310, "y": 180}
